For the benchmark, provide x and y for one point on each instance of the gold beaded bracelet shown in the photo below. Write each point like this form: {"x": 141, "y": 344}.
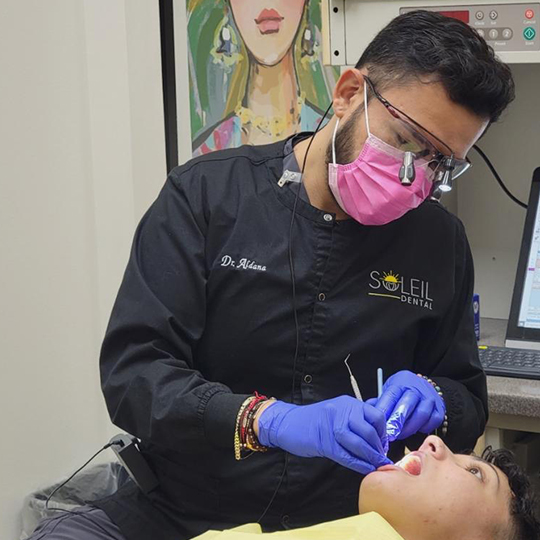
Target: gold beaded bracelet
{"x": 245, "y": 440}
{"x": 237, "y": 444}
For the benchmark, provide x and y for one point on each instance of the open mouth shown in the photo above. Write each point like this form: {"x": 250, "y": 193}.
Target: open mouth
{"x": 269, "y": 21}
{"x": 411, "y": 464}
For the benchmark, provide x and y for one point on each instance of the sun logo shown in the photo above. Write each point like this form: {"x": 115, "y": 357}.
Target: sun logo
{"x": 390, "y": 281}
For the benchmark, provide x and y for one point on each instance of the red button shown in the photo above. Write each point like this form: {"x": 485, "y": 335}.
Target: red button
{"x": 529, "y": 14}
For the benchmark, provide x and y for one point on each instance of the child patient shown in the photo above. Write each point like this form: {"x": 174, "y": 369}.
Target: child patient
{"x": 432, "y": 494}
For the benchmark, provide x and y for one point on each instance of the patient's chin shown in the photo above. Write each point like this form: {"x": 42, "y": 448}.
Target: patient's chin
{"x": 382, "y": 491}
{"x": 373, "y": 489}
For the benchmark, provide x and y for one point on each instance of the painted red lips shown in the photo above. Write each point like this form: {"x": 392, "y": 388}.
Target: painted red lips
{"x": 269, "y": 21}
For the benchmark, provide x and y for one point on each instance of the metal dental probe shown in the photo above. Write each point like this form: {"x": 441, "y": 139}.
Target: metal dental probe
{"x": 354, "y": 384}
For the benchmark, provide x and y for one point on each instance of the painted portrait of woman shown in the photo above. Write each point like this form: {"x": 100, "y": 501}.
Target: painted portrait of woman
{"x": 256, "y": 72}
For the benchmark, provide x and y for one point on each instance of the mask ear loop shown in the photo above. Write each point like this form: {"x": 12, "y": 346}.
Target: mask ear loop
{"x": 337, "y": 124}
{"x": 365, "y": 109}
{"x": 334, "y": 142}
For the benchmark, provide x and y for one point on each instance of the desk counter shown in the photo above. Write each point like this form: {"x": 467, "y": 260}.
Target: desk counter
{"x": 513, "y": 403}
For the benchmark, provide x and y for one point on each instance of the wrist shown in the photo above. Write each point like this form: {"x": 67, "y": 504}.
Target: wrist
{"x": 437, "y": 388}
{"x": 245, "y": 439}
{"x": 262, "y": 408}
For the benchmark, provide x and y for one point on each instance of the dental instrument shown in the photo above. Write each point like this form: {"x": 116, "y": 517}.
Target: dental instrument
{"x": 354, "y": 384}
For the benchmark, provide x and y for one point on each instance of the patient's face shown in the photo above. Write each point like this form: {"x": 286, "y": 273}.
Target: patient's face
{"x": 443, "y": 495}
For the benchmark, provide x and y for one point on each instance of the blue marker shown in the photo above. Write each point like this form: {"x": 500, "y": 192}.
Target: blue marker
{"x": 380, "y": 380}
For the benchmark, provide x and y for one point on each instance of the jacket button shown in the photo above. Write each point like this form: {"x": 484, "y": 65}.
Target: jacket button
{"x": 322, "y": 297}
{"x": 308, "y": 379}
{"x": 285, "y": 520}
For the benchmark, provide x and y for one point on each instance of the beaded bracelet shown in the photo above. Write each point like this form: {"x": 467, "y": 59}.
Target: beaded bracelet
{"x": 245, "y": 439}
{"x": 251, "y": 440}
{"x": 237, "y": 441}
{"x": 439, "y": 391}
{"x": 246, "y": 421}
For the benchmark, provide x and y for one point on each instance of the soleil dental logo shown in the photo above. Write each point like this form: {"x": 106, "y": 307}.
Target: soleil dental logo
{"x": 407, "y": 290}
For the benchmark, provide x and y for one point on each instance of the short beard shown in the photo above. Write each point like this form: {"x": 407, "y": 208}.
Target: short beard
{"x": 345, "y": 138}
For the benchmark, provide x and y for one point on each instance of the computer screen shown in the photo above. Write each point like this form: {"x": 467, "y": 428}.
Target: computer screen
{"x": 524, "y": 321}
{"x": 529, "y": 310}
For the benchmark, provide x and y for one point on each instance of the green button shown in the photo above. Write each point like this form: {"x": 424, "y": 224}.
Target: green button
{"x": 529, "y": 33}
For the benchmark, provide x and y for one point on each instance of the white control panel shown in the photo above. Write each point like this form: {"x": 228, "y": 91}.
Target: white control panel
{"x": 512, "y": 28}
{"x": 507, "y": 27}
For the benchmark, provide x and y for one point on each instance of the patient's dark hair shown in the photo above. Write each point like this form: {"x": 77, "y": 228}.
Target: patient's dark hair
{"x": 523, "y": 506}
{"x": 423, "y": 43}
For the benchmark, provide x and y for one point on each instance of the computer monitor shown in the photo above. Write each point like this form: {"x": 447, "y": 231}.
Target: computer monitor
{"x": 523, "y": 329}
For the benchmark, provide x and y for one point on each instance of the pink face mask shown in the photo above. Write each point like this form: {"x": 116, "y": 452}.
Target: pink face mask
{"x": 369, "y": 188}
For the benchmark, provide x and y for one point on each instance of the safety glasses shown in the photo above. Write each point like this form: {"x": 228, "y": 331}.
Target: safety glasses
{"x": 403, "y": 133}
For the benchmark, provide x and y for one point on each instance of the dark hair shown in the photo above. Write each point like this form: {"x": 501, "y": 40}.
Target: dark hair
{"x": 423, "y": 43}
{"x": 525, "y": 524}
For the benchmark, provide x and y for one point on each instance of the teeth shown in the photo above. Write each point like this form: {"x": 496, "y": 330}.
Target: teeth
{"x": 403, "y": 461}
{"x": 411, "y": 464}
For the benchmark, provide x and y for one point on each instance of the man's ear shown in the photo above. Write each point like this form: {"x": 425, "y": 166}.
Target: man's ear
{"x": 349, "y": 86}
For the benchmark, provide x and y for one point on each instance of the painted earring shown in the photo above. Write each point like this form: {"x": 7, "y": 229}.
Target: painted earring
{"x": 308, "y": 43}
{"x": 225, "y": 44}
{"x": 226, "y": 49}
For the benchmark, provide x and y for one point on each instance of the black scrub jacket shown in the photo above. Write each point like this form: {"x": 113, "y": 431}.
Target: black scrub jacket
{"x": 204, "y": 318}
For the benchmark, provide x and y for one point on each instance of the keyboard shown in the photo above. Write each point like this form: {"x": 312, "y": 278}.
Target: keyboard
{"x": 507, "y": 362}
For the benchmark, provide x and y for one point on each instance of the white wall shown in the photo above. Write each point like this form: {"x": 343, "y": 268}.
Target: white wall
{"x": 81, "y": 157}
{"x": 494, "y": 223}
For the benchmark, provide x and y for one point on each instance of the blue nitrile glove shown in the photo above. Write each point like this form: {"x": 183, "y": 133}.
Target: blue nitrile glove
{"x": 410, "y": 404}
{"x": 343, "y": 429}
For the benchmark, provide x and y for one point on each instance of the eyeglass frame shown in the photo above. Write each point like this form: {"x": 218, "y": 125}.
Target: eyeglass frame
{"x": 441, "y": 159}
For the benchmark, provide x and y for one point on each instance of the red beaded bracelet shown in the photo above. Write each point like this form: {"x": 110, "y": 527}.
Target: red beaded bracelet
{"x": 244, "y": 436}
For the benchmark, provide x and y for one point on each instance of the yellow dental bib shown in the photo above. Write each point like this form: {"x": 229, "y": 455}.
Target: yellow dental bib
{"x": 370, "y": 526}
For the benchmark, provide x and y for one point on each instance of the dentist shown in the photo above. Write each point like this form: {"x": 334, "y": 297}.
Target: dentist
{"x": 232, "y": 373}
